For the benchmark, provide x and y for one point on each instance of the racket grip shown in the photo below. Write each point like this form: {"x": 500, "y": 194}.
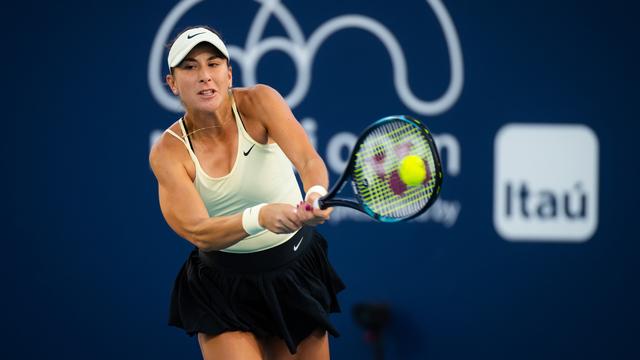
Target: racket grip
{"x": 318, "y": 203}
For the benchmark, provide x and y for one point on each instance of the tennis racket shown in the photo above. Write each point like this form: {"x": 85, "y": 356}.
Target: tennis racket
{"x": 375, "y": 168}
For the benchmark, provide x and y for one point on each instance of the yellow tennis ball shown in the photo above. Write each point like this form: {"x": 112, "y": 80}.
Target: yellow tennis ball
{"x": 412, "y": 170}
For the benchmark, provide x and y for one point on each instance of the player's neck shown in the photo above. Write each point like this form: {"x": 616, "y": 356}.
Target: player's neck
{"x": 211, "y": 123}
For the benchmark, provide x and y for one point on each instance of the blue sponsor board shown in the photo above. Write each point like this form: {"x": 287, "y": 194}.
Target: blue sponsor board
{"x": 488, "y": 272}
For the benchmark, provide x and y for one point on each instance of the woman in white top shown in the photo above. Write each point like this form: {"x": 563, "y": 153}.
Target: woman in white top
{"x": 258, "y": 284}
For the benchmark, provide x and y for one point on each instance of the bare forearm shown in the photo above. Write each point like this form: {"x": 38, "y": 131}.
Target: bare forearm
{"x": 217, "y": 232}
{"x": 314, "y": 172}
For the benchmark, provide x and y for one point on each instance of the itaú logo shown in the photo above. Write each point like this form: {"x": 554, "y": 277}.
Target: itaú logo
{"x": 546, "y": 182}
{"x": 303, "y": 51}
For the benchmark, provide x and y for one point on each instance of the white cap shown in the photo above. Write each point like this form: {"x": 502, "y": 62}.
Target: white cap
{"x": 189, "y": 39}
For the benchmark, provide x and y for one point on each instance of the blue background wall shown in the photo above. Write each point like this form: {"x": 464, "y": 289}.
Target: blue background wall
{"x": 88, "y": 260}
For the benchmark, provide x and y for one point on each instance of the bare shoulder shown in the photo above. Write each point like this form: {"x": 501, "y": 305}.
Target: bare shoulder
{"x": 257, "y": 98}
{"x": 167, "y": 152}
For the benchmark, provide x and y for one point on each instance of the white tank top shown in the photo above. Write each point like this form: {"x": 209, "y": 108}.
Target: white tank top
{"x": 261, "y": 173}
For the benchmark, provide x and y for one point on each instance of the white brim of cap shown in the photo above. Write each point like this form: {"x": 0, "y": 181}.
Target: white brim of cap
{"x": 189, "y": 39}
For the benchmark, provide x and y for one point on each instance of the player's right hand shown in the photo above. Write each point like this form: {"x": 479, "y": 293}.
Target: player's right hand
{"x": 279, "y": 218}
{"x": 312, "y": 216}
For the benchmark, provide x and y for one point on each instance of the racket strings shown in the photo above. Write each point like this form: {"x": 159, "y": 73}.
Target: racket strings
{"x": 376, "y": 176}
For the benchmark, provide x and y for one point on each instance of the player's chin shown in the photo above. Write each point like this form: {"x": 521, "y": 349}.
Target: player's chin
{"x": 208, "y": 104}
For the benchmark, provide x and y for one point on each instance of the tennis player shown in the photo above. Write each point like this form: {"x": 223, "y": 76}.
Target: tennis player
{"x": 258, "y": 284}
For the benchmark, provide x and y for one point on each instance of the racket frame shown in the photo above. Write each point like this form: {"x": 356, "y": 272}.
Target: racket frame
{"x": 330, "y": 198}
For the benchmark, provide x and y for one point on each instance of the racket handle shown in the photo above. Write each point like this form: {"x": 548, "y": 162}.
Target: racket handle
{"x": 318, "y": 203}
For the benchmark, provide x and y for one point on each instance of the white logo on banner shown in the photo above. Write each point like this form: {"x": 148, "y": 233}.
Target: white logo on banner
{"x": 303, "y": 52}
{"x": 546, "y": 182}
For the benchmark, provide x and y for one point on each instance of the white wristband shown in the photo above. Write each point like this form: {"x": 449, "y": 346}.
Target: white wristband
{"x": 250, "y": 218}
{"x": 316, "y": 189}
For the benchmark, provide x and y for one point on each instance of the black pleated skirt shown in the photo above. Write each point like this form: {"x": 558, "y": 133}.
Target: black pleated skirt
{"x": 287, "y": 291}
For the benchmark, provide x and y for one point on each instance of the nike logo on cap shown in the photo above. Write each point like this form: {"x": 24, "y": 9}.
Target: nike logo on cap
{"x": 196, "y": 34}
{"x": 295, "y": 247}
{"x": 248, "y": 151}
